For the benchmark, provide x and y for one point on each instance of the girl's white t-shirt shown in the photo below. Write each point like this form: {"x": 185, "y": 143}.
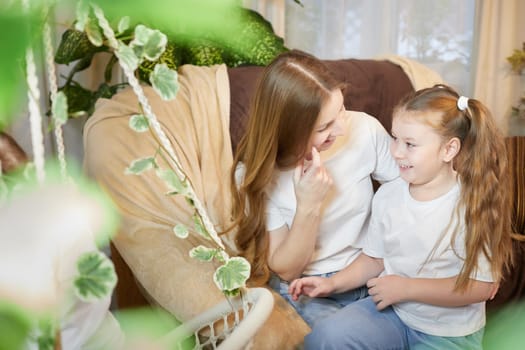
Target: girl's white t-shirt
{"x": 404, "y": 232}
{"x": 345, "y": 212}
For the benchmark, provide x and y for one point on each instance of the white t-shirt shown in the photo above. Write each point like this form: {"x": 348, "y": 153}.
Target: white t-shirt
{"x": 404, "y": 232}
{"x": 346, "y": 209}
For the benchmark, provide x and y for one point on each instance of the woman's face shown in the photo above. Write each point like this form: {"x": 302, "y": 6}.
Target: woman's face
{"x": 329, "y": 123}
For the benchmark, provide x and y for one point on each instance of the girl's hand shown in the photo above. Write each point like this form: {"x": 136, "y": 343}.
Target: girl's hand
{"x": 311, "y": 180}
{"x": 387, "y": 290}
{"x": 312, "y": 286}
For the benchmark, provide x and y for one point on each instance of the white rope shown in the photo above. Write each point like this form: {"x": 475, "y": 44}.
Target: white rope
{"x": 35, "y": 116}
{"x": 137, "y": 88}
{"x": 53, "y": 89}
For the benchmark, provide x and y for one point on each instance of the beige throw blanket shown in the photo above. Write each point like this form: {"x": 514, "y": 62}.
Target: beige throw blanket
{"x": 197, "y": 125}
{"x": 420, "y": 75}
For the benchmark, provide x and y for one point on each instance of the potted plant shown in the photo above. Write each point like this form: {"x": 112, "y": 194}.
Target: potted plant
{"x": 517, "y": 62}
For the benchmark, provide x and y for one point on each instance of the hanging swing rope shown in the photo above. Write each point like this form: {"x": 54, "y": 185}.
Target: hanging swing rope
{"x": 35, "y": 115}
{"x": 53, "y": 89}
{"x": 152, "y": 118}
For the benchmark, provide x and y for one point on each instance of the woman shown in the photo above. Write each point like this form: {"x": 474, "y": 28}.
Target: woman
{"x": 302, "y": 190}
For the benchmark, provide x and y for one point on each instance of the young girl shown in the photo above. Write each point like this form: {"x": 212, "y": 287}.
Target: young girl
{"x": 439, "y": 236}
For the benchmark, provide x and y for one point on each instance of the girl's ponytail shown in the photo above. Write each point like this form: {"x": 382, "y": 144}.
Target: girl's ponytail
{"x": 482, "y": 166}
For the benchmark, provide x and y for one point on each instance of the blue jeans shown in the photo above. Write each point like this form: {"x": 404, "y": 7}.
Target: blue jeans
{"x": 361, "y": 326}
{"x": 313, "y": 310}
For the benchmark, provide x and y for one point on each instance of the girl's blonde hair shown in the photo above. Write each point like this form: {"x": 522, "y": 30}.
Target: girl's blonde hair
{"x": 482, "y": 167}
{"x": 283, "y": 114}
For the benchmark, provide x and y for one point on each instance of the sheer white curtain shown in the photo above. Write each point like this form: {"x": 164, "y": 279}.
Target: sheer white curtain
{"x": 465, "y": 41}
{"x": 501, "y": 30}
{"x": 437, "y": 33}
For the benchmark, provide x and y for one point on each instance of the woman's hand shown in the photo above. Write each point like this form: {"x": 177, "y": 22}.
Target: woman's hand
{"x": 387, "y": 290}
{"x": 312, "y": 181}
{"x": 312, "y": 286}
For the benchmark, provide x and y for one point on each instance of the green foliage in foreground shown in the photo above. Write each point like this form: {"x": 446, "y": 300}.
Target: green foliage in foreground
{"x": 505, "y": 328}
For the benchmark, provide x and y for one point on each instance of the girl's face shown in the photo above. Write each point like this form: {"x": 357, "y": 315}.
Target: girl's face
{"x": 329, "y": 123}
{"x": 421, "y": 154}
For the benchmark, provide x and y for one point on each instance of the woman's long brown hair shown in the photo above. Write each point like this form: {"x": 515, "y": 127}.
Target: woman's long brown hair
{"x": 482, "y": 167}
{"x": 282, "y": 117}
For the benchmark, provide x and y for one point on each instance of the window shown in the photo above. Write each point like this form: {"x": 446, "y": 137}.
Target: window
{"x": 437, "y": 33}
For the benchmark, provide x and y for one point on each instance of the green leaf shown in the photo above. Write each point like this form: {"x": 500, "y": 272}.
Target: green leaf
{"x": 140, "y": 165}
{"x": 232, "y": 275}
{"x": 164, "y": 81}
{"x": 94, "y": 32}
{"x": 203, "y": 253}
{"x": 46, "y": 337}
{"x": 148, "y": 42}
{"x": 141, "y": 36}
{"x": 199, "y": 227}
{"x": 15, "y": 326}
{"x": 181, "y": 231}
{"x": 123, "y": 24}
{"x": 173, "y": 182}
{"x": 75, "y": 45}
{"x": 82, "y": 12}
{"x": 15, "y": 39}
{"x": 139, "y": 123}
{"x": 96, "y": 276}
{"x": 146, "y": 326}
{"x": 127, "y": 56}
{"x": 222, "y": 256}
{"x": 155, "y": 46}
{"x": 59, "y": 108}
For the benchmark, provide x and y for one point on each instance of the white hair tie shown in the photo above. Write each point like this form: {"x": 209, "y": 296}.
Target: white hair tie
{"x": 462, "y": 103}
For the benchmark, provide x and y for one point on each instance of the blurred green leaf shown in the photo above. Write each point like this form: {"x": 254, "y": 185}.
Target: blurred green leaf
{"x": 504, "y": 329}
{"x": 146, "y": 326}
{"x": 82, "y": 15}
{"x": 181, "y": 231}
{"x": 203, "y": 253}
{"x": 175, "y": 185}
{"x": 140, "y": 165}
{"x": 232, "y": 275}
{"x": 15, "y": 326}
{"x": 139, "y": 123}
{"x": 79, "y": 99}
{"x": 199, "y": 227}
{"x": 96, "y": 276}
{"x": 127, "y": 55}
{"x": 46, "y": 338}
{"x": 148, "y": 43}
{"x": 165, "y": 81}
{"x": 199, "y": 17}
{"x": 123, "y": 24}
{"x": 74, "y": 45}
{"x": 15, "y": 38}
{"x": 94, "y": 32}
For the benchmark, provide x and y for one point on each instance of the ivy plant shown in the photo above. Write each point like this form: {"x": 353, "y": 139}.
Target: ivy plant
{"x": 148, "y": 45}
{"x": 245, "y": 39}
